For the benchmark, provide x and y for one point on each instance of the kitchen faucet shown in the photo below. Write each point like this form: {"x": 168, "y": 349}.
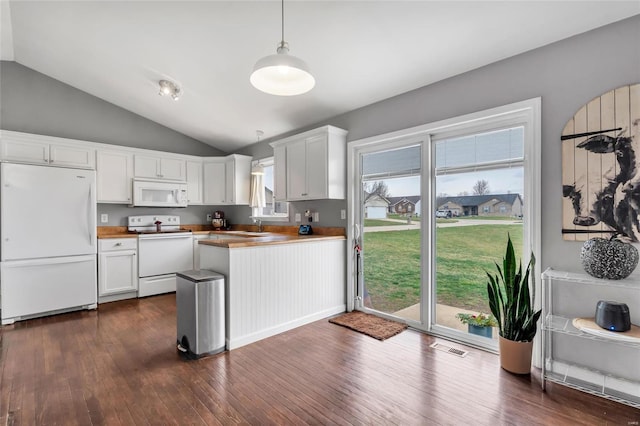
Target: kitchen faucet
{"x": 259, "y": 222}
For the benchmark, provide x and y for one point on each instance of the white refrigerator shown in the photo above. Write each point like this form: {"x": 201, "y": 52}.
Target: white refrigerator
{"x": 48, "y": 240}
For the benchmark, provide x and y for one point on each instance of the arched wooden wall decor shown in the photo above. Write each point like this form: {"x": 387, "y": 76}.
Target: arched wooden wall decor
{"x": 601, "y": 167}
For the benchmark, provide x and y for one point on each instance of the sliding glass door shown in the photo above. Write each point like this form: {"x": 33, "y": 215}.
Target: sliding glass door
{"x": 479, "y": 201}
{"x": 390, "y": 220}
{"x": 432, "y": 208}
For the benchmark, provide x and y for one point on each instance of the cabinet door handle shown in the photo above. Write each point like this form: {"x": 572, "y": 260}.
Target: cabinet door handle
{"x": 118, "y": 244}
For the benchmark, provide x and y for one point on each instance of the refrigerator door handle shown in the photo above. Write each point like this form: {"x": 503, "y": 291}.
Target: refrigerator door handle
{"x": 89, "y": 217}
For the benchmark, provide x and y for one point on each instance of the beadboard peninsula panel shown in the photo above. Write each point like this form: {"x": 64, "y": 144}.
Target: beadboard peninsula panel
{"x": 272, "y": 289}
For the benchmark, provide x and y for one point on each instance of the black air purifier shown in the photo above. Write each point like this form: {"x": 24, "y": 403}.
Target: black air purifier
{"x": 613, "y": 316}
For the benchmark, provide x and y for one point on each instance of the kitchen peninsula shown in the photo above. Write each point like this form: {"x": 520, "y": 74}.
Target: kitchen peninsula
{"x": 276, "y": 282}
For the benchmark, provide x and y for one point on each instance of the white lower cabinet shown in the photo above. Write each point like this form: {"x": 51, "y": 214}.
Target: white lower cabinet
{"x": 117, "y": 269}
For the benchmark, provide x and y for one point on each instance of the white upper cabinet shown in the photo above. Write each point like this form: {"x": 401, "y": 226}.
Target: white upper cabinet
{"x": 37, "y": 149}
{"x": 152, "y": 167}
{"x": 312, "y": 165}
{"x": 280, "y": 173}
{"x": 214, "y": 181}
{"x": 210, "y": 180}
{"x": 113, "y": 176}
{"x": 238, "y": 184}
{"x": 227, "y": 180}
{"x": 194, "y": 182}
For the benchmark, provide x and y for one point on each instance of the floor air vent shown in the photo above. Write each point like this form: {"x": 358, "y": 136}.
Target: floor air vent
{"x": 449, "y": 349}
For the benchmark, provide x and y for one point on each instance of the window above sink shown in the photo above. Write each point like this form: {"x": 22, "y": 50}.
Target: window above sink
{"x": 274, "y": 211}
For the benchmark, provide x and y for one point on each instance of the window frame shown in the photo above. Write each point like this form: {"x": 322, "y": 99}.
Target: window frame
{"x": 526, "y": 113}
{"x": 256, "y": 212}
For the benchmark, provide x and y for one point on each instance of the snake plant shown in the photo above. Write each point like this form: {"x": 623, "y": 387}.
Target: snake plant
{"x": 510, "y": 300}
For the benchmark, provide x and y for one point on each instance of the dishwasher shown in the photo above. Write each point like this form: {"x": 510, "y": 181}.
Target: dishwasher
{"x": 200, "y": 312}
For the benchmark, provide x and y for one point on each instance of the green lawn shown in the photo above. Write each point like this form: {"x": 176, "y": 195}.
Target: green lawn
{"x": 392, "y": 265}
{"x": 381, "y": 222}
{"x": 487, "y": 218}
{"x": 414, "y": 218}
{"x": 442, "y": 220}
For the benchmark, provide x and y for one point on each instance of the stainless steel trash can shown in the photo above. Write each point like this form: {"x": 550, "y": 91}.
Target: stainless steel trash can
{"x": 200, "y": 312}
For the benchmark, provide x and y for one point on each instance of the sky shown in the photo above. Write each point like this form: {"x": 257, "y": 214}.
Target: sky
{"x": 501, "y": 181}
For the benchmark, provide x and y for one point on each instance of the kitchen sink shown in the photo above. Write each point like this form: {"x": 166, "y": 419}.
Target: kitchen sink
{"x": 253, "y": 234}
{"x": 229, "y": 237}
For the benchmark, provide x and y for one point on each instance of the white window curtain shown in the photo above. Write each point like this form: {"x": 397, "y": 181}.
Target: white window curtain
{"x": 256, "y": 197}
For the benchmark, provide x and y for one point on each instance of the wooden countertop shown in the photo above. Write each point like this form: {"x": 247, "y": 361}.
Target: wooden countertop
{"x": 243, "y": 235}
{"x": 114, "y": 232}
{"x": 265, "y": 240}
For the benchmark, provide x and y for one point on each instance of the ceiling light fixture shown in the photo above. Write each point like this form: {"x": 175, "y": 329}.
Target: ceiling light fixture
{"x": 168, "y": 88}
{"x": 282, "y": 74}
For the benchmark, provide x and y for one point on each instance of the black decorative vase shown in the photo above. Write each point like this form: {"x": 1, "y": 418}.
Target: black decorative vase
{"x": 609, "y": 259}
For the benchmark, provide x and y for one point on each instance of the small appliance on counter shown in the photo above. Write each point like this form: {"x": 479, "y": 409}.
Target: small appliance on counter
{"x": 305, "y": 230}
{"x": 218, "y": 221}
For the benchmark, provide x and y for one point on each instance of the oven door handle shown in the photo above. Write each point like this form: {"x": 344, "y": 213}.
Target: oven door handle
{"x": 163, "y": 237}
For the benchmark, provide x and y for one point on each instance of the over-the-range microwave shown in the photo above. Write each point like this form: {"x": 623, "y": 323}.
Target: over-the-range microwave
{"x": 147, "y": 193}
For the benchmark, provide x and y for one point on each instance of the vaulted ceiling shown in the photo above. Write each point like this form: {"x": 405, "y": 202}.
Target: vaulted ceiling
{"x": 360, "y": 52}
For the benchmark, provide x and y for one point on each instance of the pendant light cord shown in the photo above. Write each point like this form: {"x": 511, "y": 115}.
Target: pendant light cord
{"x": 282, "y": 21}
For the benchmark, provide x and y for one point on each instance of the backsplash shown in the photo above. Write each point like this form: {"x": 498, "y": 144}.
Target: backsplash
{"x": 329, "y": 211}
{"x": 119, "y": 213}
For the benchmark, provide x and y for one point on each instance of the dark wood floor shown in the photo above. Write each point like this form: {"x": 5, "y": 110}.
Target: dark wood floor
{"x": 119, "y": 366}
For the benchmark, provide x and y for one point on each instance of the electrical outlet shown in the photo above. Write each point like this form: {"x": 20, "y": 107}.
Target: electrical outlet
{"x": 209, "y": 217}
{"x": 343, "y": 214}
{"x": 316, "y": 217}
{"x": 104, "y": 218}
{"x": 298, "y": 217}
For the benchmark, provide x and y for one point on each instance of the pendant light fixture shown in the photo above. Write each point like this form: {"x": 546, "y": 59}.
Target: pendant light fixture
{"x": 282, "y": 74}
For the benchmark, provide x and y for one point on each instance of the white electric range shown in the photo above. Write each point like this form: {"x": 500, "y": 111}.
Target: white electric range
{"x": 163, "y": 250}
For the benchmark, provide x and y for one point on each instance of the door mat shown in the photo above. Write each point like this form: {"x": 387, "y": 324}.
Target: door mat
{"x": 371, "y": 325}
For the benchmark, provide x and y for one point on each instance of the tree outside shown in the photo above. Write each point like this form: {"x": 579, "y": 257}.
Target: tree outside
{"x": 481, "y": 187}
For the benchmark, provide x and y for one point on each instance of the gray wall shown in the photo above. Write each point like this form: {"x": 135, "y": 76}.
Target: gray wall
{"x": 566, "y": 74}
{"x": 329, "y": 211}
{"x": 118, "y": 214}
{"x": 32, "y": 102}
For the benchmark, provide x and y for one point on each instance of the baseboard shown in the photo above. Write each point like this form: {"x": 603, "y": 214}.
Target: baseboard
{"x": 237, "y": 342}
